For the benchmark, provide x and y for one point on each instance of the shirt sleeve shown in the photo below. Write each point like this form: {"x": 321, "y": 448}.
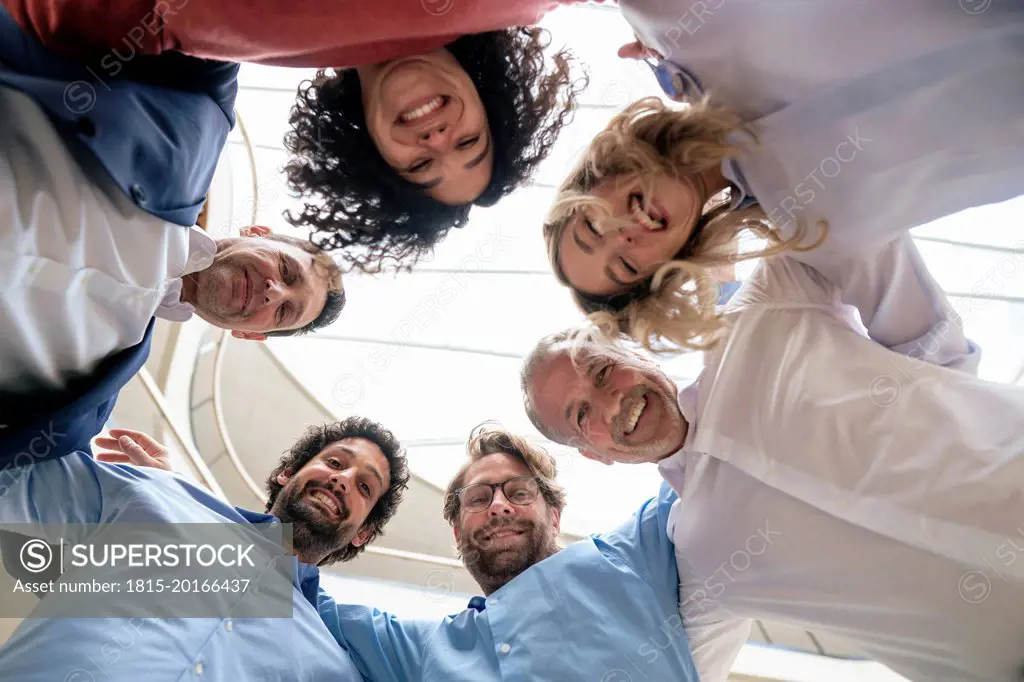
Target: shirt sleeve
{"x": 383, "y": 648}
{"x": 715, "y": 643}
{"x": 643, "y": 541}
{"x": 49, "y": 499}
{"x": 900, "y": 304}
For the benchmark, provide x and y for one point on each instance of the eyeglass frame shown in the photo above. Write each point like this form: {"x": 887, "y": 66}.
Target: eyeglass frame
{"x": 494, "y": 486}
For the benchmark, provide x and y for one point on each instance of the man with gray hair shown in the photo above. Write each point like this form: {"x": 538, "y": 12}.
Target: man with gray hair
{"x": 822, "y": 460}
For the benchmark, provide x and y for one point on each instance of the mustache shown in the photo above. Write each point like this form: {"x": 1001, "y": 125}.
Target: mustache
{"x": 343, "y": 510}
{"x": 497, "y": 524}
{"x": 631, "y": 398}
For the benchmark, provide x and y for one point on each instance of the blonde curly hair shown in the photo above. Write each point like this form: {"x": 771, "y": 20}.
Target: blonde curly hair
{"x": 675, "y": 308}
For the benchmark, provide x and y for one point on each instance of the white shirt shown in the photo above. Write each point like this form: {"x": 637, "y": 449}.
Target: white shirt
{"x": 876, "y": 116}
{"x": 829, "y": 482}
{"x": 82, "y": 270}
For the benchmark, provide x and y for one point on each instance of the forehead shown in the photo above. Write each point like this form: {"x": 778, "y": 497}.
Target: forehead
{"x": 495, "y": 469}
{"x": 289, "y": 249}
{"x": 360, "y": 452}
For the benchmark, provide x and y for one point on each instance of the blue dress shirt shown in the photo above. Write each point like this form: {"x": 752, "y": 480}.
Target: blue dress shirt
{"x": 603, "y": 609}
{"x": 78, "y": 489}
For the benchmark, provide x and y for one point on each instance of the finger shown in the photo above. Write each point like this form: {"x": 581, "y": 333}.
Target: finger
{"x": 148, "y": 443}
{"x": 135, "y": 452}
{"x": 113, "y": 457}
{"x": 108, "y": 443}
{"x": 634, "y": 50}
{"x": 131, "y": 433}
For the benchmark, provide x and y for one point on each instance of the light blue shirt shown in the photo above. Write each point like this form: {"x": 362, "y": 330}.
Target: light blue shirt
{"x": 603, "y": 609}
{"x": 78, "y": 489}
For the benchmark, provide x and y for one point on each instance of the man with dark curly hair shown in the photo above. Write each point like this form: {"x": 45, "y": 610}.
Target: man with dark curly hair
{"x": 338, "y": 485}
{"x": 429, "y": 108}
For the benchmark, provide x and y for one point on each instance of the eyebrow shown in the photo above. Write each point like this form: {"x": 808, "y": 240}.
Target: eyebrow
{"x": 478, "y": 159}
{"x": 429, "y": 185}
{"x": 584, "y": 247}
{"x": 352, "y": 453}
{"x": 568, "y": 416}
{"x": 611, "y": 275}
{"x": 299, "y": 311}
{"x": 473, "y": 163}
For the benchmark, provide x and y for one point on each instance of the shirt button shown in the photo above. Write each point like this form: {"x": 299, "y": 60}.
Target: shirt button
{"x": 493, "y": 602}
{"x": 139, "y": 193}
{"x": 229, "y": 626}
{"x": 198, "y": 668}
{"x": 505, "y": 648}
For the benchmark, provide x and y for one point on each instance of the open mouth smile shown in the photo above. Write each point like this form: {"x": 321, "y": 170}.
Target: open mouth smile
{"x": 652, "y": 220}
{"x": 327, "y": 501}
{"x": 423, "y": 110}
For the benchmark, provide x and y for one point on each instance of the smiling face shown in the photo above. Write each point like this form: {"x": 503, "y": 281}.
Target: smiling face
{"x": 257, "y": 285}
{"x": 329, "y": 499}
{"x": 604, "y": 254}
{"x": 426, "y": 119}
{"x": 505, "y": 539}
{"x": 614, "y": 407}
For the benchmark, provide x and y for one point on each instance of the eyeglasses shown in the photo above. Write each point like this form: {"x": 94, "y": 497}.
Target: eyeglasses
{"x": 521, "y": 491}
{"x": 678, "y": 83}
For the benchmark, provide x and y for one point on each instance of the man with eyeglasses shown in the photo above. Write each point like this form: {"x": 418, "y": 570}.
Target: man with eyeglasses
{"x": 605, "y": 608}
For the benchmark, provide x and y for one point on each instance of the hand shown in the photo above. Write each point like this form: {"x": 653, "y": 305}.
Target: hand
{"x": 125, "y": 446}
{"x": 637, "y": 50}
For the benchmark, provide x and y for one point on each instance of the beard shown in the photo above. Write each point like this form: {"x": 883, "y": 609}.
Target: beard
{"x": 494, "y": 565}
{"x": 661, "y": 395}
{"x": 314, "y": 534}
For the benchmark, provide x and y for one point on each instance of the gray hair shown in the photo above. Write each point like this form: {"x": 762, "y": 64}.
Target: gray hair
{"x": 578, "y": 339}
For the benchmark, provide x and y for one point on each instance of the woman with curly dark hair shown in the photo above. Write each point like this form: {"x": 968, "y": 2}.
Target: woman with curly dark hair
{"x": 447, "y": 106}
{"x": 388, "y": 158}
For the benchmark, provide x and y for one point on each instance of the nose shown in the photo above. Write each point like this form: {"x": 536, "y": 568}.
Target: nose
{"x": 273, "y": 292}
{"x": 500, "y": 506}
{"x": 341, "y": 481}
{"x": 437, "y": 137}
{"x": 626, "y": 236}
{"x": 609, "y": 403}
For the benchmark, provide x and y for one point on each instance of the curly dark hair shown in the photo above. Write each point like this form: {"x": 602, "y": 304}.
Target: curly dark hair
{"x": 353, "y": 200}
{"x": 316, "y": 438}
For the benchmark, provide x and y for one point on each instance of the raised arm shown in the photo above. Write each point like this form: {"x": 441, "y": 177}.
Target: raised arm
{"x": 901, "y": 305}
{"x": 384, "y": 648}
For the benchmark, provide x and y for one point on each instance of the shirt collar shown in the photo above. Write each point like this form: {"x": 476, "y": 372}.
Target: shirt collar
{"x": 673, "y": 467}
{"x": 306, "y": 577}
{"x": 742, "y": 197}
{"x": 201, "y": 250}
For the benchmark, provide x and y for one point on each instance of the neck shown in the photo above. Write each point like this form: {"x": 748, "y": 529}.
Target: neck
{"x": 677, "y": 447}
{"x": 489, "y": 584}
{"x": 189, "y": 288}
{"x": 713, "y": 181}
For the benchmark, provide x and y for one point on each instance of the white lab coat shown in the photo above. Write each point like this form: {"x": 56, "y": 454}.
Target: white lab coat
{"x": 874, "y": 115}
{"x": 830, "y": 482}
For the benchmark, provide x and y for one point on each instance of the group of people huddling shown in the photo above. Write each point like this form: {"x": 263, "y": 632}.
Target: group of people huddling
{"x": 837, "y": 465}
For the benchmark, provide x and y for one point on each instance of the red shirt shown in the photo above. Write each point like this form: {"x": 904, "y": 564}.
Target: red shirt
{"x": 307, "y": 33}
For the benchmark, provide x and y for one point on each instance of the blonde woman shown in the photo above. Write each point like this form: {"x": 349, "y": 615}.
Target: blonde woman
{"x": 657, "y": 204}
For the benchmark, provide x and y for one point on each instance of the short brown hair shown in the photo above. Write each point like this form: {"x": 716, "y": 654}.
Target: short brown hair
{"x": 490, "y": 439}
{"x": 336, "y": 299}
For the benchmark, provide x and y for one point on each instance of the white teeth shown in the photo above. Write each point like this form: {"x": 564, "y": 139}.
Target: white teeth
{"x": 419, "y": 112}
{"x": 645, "y": 219}
{"x": 326, "y": 500}
{"x": 634, "y": 414}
